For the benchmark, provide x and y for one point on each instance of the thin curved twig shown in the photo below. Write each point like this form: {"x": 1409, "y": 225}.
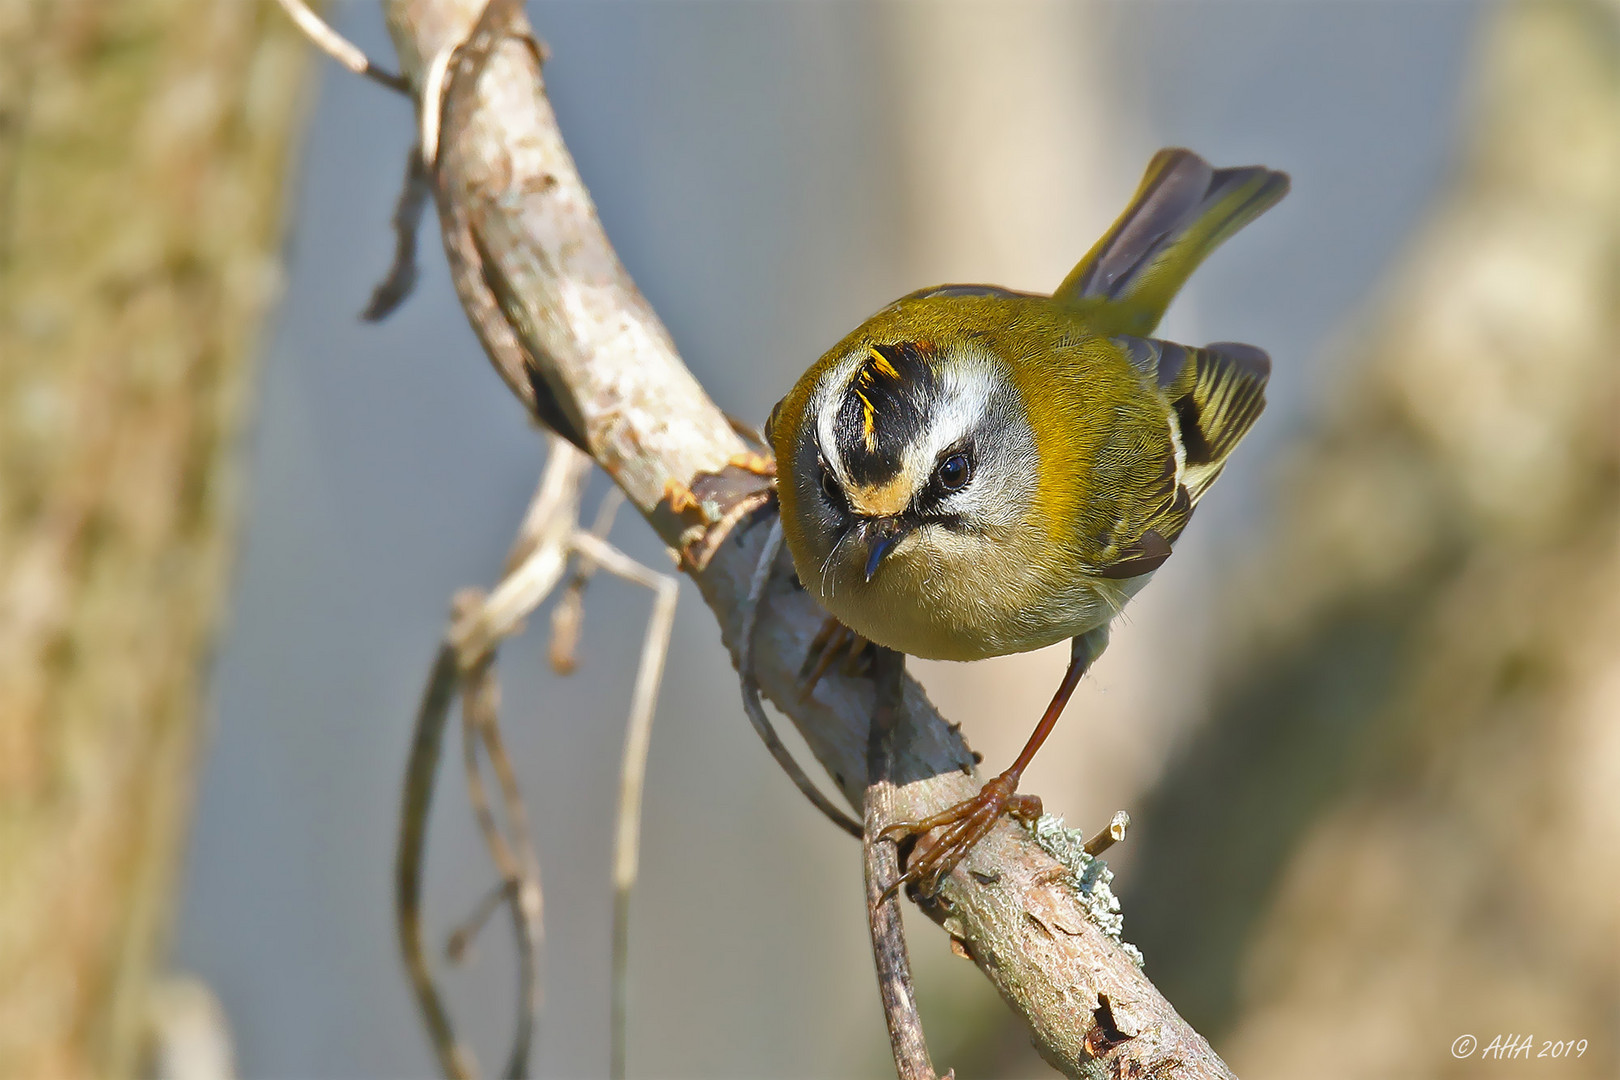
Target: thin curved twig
{"x": 420, "y": 770}
{"x": 415, "y": 191}
{"x": 340, "y": 48}
{"x": 458, "y": 943}
{"x": 568, "y": 614}
{"x": 478, "y": 624}
{"x": 548, "y": 538}
{"x": 514, "y": 861}
{"x": 750, "y": 688}
{"x": 519, "y": 876}
{"x": 477, "y": 710}
{"x": 633, "y": 770}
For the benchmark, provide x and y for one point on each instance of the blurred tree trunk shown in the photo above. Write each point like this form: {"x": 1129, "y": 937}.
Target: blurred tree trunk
{"x": 143, "y": 150}
{"x": 1402, "y": 824}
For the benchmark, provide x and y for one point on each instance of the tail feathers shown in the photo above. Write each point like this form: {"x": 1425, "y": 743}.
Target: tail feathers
{"x": 1183, "y": 210}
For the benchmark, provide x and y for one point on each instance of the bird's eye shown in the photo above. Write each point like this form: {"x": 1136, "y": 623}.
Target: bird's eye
{"x": 829, "y": 486}
{"x": 954, "y": 472}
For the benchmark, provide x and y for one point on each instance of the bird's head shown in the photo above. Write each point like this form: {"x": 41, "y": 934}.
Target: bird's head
{"x": 894, "y": 448}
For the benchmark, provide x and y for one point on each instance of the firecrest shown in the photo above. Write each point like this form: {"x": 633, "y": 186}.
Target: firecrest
{"x": 976, "y": 471}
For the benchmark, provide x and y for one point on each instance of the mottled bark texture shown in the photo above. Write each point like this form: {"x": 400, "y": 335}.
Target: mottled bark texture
{"x": 1403, "y": 820}
{"x": 562, "y": 321}
{"x": 143, "y": 149}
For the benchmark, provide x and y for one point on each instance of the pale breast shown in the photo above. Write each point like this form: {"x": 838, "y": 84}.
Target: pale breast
{"x": 944, "y": 596}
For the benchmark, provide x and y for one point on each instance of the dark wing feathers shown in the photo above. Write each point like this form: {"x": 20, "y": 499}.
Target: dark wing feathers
{"x": 1214, "y": 395}
{"x": 1215, "y": 392}
{"x": 1143, "y": 556}
{"x": 1215, "y": 401}
{"x": 1161, "y": 361}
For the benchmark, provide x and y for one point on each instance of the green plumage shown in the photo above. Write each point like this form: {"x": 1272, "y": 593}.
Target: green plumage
{"x": 1094, "y": 441}
{"x": 975, "y": 471}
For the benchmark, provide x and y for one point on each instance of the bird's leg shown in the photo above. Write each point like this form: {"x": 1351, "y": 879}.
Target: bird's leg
{"x": 831, "y": 641}
{"x": 968, "y": 822}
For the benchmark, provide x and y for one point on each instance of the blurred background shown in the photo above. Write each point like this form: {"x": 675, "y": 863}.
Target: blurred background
{"x": 1367, "y": 721}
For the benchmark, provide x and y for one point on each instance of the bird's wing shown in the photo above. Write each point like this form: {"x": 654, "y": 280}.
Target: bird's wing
{"x": 1141, "y": 541}
{"x": 1214, "y": 395}
{"x": 1216, "y": 400}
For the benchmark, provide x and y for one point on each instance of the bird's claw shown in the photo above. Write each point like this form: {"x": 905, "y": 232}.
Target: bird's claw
{"x": 832, "y": 641}
{"x": 965, "y": 824}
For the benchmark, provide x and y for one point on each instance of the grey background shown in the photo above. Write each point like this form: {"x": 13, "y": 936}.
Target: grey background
{"x": 739, "y": 155}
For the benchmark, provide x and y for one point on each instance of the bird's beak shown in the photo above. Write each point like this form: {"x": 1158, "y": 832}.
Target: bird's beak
{"x": 881, "y": 536}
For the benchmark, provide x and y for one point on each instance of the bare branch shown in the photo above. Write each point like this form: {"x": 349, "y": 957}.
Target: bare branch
{"x": 582, "y": 349}
{"x": 569, "y": 611}
{"x": 340, "y": 48}
{"x": 515, "y": 861}
{"x": 1108, "y": 837}
{"x": 432, "y": 104}
{"x": 478, "y": 624}
{"x": 633, "y": 772}
{"x": 882, "y": 865}
{"x": 547, "y": 539}
{"x": 459, "y": 943}
{"x": 420, "y": 770}
{"x": 414, "y": 193}
{"x": 478, "y": 712}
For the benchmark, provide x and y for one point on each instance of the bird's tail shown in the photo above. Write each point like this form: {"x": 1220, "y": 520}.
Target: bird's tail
{"x": 1182, "y": 211}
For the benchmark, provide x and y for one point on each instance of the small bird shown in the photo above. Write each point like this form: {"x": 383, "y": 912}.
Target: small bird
{"x": 976, "y": 471}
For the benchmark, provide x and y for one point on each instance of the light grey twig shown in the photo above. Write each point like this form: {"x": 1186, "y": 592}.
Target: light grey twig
{"x": 633, "y": 770}
{"x": 477, "y": 626}
{"x": 459, "y": 942}
{"x": 568, "y": 613}
{"x": 340, "y": 48}
{"x": 548, "y": 538}
{"x": 882, "y": 867}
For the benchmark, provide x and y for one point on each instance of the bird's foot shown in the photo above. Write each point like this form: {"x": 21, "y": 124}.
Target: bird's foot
{"x": 965, "y": 824}
{"x": 756, "y": 463}
{"x": 833, "y": 640}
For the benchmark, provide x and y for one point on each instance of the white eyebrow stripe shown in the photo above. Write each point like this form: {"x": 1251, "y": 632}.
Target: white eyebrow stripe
{"x": 965, "y": 391}
{"x": 824, "y": 406}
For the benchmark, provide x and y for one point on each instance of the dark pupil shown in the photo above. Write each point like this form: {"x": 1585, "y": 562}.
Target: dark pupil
{"x": 953, "y": 472}
{"x": 829, "y": 486}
